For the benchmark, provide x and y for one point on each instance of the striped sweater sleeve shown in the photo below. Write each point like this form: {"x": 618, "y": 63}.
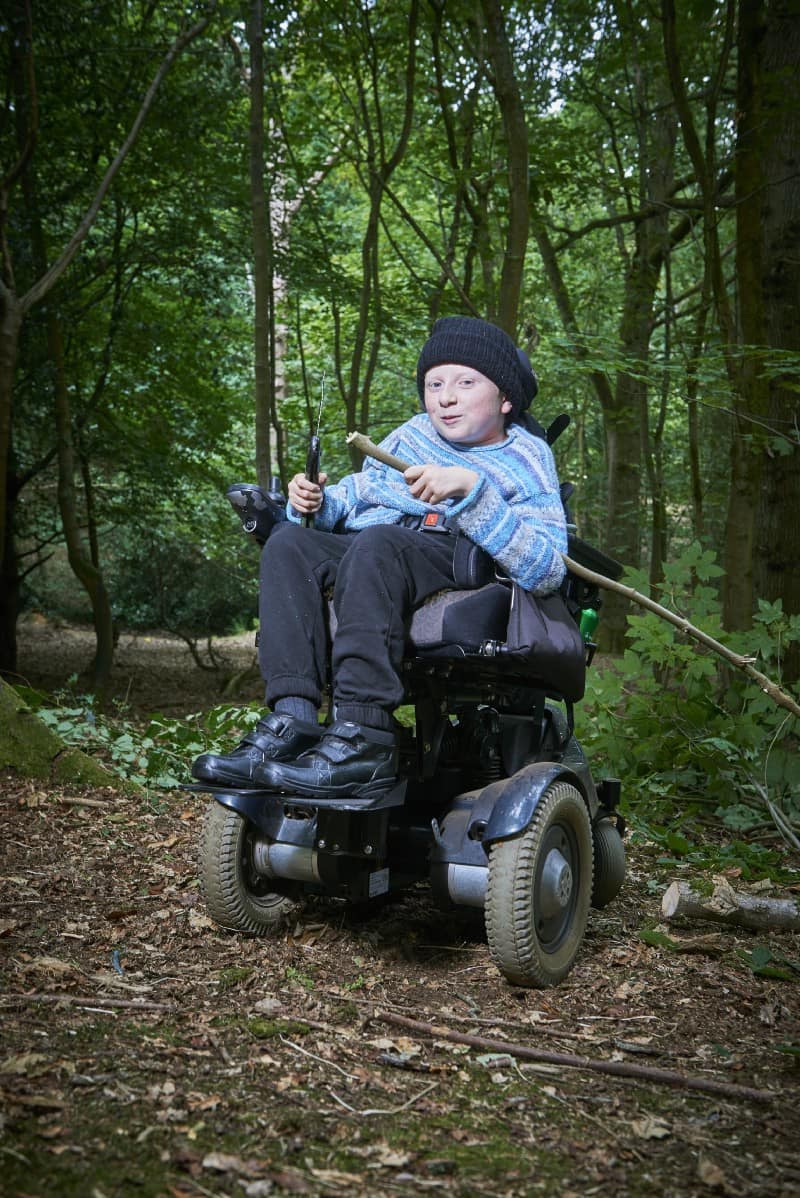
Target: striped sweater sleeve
{"x": 514, "y": 511}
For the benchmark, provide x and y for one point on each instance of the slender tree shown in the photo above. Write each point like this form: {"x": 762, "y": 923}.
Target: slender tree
{"x": 22, "y": 104}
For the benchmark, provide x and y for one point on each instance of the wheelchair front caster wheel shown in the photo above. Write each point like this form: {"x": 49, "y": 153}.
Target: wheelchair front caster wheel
{"x": 609, "y": 863}
{"x": 539, "y": 891}
{"x": 237, "y": 897}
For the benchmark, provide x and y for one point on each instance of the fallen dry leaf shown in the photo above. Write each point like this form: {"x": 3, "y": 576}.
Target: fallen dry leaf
{"x": 650, "y": 1128}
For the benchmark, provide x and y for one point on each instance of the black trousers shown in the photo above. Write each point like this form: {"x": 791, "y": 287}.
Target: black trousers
{"x": 377, "y": 578}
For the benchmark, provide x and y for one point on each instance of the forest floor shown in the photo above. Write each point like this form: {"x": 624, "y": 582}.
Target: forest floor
{"x": 144, "y": 1051}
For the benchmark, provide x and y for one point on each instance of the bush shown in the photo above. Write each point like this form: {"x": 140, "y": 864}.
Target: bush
{"x": 168, "y": 584}
{"x": 684, "y": 730}
{"x": 156, "y": 753}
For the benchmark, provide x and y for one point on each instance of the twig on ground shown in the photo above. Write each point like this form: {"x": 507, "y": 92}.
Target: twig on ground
{"x": 84, "y": 802}
{"x": 380, "y": 1111}
{"x": 314, "y": 1057}
{"x": 84, "y": 1000}
{"x": 570, "y": 1061}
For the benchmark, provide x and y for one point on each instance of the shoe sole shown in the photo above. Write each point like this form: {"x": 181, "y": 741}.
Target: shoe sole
{"x": 234, "y": 780}
{"x": 359, "y": 790}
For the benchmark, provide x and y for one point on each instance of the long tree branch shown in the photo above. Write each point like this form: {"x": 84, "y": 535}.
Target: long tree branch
{"x": 735, "y": 659}
{"x": 568, "y": 1060}
{"x": 364, "y": 445}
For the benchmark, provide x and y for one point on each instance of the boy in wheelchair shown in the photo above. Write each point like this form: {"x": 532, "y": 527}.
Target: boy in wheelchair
{"x": 480, "y": 493}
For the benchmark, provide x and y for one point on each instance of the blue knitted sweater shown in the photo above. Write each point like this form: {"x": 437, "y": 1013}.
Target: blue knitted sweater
{"x": 514, "y": 511}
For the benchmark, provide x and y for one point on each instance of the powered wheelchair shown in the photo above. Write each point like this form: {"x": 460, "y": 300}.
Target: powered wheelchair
{"x": 496, "y": 807}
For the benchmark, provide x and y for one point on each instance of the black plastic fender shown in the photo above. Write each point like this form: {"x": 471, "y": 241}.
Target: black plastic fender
{"x": 515, "y": 799}
{"x": 264, "y": 809}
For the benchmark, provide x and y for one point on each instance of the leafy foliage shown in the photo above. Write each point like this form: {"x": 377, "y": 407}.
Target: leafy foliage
{"x": 153, "y": 754}
{"x": 686, "y": 732}
{"x": 163, "y": 583}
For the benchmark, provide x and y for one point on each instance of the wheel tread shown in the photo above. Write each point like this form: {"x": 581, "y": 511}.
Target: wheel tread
{"x": 223, "y": 887}
{"x": 510, "y": 921}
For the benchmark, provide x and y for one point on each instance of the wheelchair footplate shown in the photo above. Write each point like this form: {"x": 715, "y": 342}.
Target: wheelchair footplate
{"x": 246, "y": 797}
{"x": 334, "y": 846}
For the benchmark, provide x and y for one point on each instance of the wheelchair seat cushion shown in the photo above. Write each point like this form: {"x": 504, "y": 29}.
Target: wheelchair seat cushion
{"x": 458, "y": 622}
{"x": 538, "y": 638}
{"x": 535, "y": 635}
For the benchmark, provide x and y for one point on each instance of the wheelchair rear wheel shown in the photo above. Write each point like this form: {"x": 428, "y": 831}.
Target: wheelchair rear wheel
{"x": 539, "y": 891}
{"x": 236, "y": 895}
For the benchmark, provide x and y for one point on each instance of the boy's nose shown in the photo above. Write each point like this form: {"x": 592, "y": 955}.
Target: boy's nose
{"x": 447, "y": 395}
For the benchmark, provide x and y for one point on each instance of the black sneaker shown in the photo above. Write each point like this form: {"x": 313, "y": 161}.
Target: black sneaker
{"x": 275, "y": 738}
{"x": 349, "y": 760}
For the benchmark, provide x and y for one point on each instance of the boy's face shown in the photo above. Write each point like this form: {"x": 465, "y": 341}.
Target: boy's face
{"x": 464, "y": 406}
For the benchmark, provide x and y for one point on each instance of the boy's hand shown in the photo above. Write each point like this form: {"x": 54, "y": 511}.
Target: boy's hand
{"x": 305, "y": 496}
{"x": 433, "y": 484}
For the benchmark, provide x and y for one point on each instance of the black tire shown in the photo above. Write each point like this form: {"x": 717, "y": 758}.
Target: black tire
{"x": 539, "y": 891}
{"x": 236, "y": 896}
{"x": 609, "y": 863}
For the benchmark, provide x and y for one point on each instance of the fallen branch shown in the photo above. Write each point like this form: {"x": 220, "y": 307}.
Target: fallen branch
{"x": 726, "y": 905}
{"x": 83, "y": 1000}
{"x": 647, "y": 1073}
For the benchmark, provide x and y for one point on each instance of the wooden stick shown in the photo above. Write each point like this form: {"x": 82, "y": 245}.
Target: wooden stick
{"x": 667, "y": 1077}
{"x": 741, "y": 663}
{"x": 372, "y": 450}
{"x": 726, "y": 905}
{"x": 82, "y": 1000}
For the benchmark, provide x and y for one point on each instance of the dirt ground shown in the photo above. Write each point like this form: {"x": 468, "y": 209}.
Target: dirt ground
{"x": 152, "y": 671}
{"x": 143, "y": 1051}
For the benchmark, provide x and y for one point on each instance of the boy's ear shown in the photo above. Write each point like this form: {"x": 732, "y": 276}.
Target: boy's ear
{"x": 505, "y": 405}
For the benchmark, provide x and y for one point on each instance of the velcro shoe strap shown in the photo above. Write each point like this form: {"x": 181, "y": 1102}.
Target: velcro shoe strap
{"x": 269, "y": 729}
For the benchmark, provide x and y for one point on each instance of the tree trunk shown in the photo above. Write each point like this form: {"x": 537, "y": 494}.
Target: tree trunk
{"x": 378, "y": 169}
{"x": 777, "y": 539}
{"x": 512, "y": 111}
{"x": 9, "y": 596}
{"x": 262, "y": 275}
{"x": 10, "y": 324}
{"x": 87, "y": 573}
{"x": 750, "y": 379}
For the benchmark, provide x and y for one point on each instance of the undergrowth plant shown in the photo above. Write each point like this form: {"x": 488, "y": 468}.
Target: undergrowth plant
{"x": 686, "y": 732}
{"x": 155, "y": 753}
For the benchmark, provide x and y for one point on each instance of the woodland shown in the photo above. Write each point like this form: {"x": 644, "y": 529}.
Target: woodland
{"x": 223, "y": 227}
{"x": 206, "y": 212}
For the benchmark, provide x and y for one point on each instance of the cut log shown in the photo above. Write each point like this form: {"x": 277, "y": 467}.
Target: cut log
{"x": 726, "y": 905}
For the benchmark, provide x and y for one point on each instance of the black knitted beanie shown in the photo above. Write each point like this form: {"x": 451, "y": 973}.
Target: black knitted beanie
{"x": 467, "y": 341}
